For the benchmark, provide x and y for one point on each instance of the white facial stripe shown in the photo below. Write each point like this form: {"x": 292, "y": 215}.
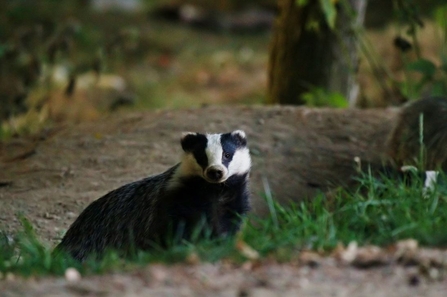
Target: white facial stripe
{"x": 238, "y": 132}
{"x": 184, "y": 134}
{"x": 214, "y": 150}
{"x": 241, "y": 162}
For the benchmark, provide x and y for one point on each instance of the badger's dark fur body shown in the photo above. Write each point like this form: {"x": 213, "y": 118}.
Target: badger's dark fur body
{"x": 404, "y": 141}
{"x": 208, "y": 189}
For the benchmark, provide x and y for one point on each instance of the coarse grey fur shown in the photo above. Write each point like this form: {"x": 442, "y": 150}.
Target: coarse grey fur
{"x": 404, "y": 141}
{"x": 172, "y": 205}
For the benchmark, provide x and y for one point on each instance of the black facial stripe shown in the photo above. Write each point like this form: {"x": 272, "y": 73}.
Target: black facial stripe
{"x": 201, "y": 157}
{"x": 191, "y": 142}
{"x": 229, "y": 146}
{"x": 200, "y": 154}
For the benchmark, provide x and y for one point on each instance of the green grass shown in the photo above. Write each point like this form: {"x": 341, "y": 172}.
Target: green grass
{"x": 380, "y": 212}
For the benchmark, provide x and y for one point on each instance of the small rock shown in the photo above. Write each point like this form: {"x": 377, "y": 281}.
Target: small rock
{"x": 407, "y": 252}
{"x": 350, "y": 253}
{"x": 369, "y": 256}
{"x": 310, "y": 259}
{"x": 247, "y": 266}
{"x": 361, "y": 257}
{"x": 193, "y": 258}
{"x": 10, "y": 277}
{"x": 159, "y": 273}
{"x": 407, "y": 245}
{"x": 434, "y": 273}
{"x": 70, "y": 215}
{"x": 50, "y": 216}
{"x": 72, "y": 275}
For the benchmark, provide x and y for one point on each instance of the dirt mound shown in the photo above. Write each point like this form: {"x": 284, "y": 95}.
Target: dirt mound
{"x": 299, "y": 151}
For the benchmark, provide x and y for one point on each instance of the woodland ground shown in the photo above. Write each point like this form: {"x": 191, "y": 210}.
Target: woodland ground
{"x": 50, "y": 178}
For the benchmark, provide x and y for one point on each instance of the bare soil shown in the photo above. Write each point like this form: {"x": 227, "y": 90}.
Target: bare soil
{"x": 298, "y": 151}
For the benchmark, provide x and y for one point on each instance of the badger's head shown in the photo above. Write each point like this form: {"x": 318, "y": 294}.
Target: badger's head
{"x": 215, "y": 157}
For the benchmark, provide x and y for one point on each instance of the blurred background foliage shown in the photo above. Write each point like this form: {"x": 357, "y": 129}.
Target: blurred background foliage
{"x": 75, "y": 60}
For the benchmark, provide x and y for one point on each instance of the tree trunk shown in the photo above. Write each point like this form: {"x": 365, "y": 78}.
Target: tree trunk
{"x": 302, "y": 58}
{"x": 345, "y": 49}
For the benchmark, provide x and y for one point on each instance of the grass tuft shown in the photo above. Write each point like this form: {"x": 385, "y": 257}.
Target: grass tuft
{"x": 381, "y": 211}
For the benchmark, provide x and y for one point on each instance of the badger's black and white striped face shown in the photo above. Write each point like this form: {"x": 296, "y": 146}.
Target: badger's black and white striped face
{"x": 215, "y": 157}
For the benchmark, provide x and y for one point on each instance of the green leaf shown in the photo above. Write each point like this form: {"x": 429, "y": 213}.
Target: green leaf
{"x": 329, "y": 11}
{"x": 2, "y": 50}
{"x": 439, "y": 88}
{"x": 302, "y": 2}
{"x": 444, "y": 63}
{"x": 337, "y": 100}
{"x": 320, "y": 97}
{"x": 440, "y": 16}
{"x": 423, "y": 66}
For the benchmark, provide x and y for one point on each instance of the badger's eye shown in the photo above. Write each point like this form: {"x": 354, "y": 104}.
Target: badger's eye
{"x": 226, "y": 155}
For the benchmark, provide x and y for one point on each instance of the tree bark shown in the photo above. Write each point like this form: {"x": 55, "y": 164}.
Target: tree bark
{"x": 345, "y": 48}
{"x": 302, "y": 58}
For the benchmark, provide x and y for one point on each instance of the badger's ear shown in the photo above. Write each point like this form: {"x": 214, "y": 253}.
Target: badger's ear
{"x": 190, "y": 140}
{"x": 240, "y": 137}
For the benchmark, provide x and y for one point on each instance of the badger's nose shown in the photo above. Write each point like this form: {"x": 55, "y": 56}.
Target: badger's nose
{"x": 214, "y": 174}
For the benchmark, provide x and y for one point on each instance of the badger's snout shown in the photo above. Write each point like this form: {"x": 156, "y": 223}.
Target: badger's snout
{"x": 216, "y": 174}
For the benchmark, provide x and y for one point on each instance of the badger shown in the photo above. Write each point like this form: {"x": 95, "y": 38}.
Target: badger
{"x": 206, "y": 191}
{"x": 404, "y": 142}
